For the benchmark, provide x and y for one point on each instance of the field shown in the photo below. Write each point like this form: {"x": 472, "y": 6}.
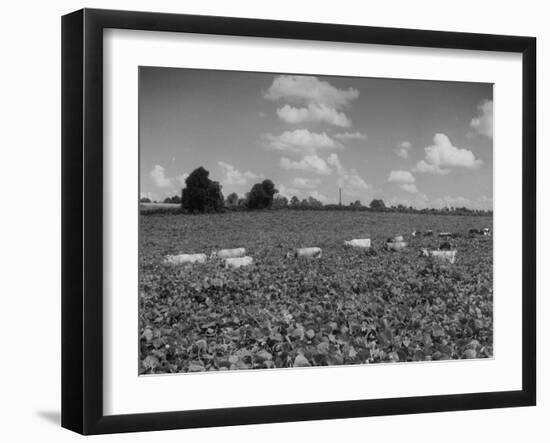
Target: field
{"x": 349, "y": 307}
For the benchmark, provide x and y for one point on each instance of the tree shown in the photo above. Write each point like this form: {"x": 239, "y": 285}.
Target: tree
{"x": 145, "y": 200}
{"x": 200, "y": 193}
{"x": 280, "y": 202}
{"x": 294, "y": 202}
{"x": 232, "y": 200}
{"x": 314, "y": 203}
{"x": 356, "y": 204}
{"x": 175, "y": 199}
{"x": 261, "y": 195}
{"x": 377, "y": 204}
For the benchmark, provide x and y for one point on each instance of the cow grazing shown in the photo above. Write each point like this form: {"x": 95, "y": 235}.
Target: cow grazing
{"x": 358, "y": 243}
{"x": 445, "y": 234}
{"x": 228, "y": 253}
{"x": 238, "y": 262}
{"x": 183, "y": 259}
{"x": 486, "y": 231}
{"x": 443, "y": 256}
{"x": 396, "y": 245}
{"x": 313, "y": 252}
{"x": 428, "y": 233}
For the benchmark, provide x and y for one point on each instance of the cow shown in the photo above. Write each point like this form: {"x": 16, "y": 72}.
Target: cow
{"x": 183, "y": 259}
{"x": 313, "y": 252}
{"x": 228, "y": 253}
{"x": 444, "y": 256}
{"x": 428, "y": 233}
{"x": 445, "y": 246}
{"x": 396, "y": 245}
{"x": 238, "y": 262}
{"x": 358, "y": 243}
{"x": 445, "y": 234}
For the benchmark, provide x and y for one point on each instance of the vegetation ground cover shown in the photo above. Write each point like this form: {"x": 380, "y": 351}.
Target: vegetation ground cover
{"x": 350, "y": 307}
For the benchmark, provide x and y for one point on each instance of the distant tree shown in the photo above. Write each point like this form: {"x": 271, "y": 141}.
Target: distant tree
{"x": 279, "y": 202}
{"x": 200, "y": 193}
{"x": 356, "y": 204}
{"x": 377, "y": 204}
{"x": 232, "y": 200}
{"x": 145, "y": 200}
{"x": 294, "y": 202}
{"x": 174, "y": 199}
{"x": 314, "y": 203}
{"x": 261, "y": 195}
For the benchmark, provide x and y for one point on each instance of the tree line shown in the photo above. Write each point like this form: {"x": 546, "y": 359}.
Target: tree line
{"x": 203, "y": 195}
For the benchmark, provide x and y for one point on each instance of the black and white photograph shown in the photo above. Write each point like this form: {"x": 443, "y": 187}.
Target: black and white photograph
{"x": 291, "y": 221}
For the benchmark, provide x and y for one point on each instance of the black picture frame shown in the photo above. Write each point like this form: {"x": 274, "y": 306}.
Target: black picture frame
{"x": 82, "y": 220}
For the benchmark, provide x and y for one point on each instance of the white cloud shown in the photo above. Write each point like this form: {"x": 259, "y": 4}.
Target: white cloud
{"x": 483, "y": 122}
{"x": 443, "y": 154}
{"x": 181, "y": 178}
{"x": 401, "y": 177}
{"x": 309, "y": 89}
{"x": 334, "y": 161}
{"x": 306, "y": 183}
{"x": 232, "y": 176}
{"x": 422, "y": 166}
{"x": 300, "y": 141}
{"x": 404, "y": 179}
{"x": 309, "y": 163}
{"x": 351, "y": 136}
{"x": 402, "y": 150}
{"x": 288, "y": 192}
{"x": 314, "y": 112}
{"x": 409, "y": 187}
{"x": 349, "y": 180}
{"x": 159, "y": 178}
{"x": 318, "y": 196}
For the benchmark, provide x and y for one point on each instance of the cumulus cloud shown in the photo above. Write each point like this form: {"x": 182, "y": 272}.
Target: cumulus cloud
{"x": 404, "y": 179}
{"x": 314, "y": 112}
{"x": 309, "y": 89}
{"x": 232, "y": 176}
{"x": 300, "y": 141}
{"x": 483, "y": 122}
{"x": 344, "y": 136}
{"x": 401, "y": 177}
{"x": 351, "y": 182}
{"x": 409, "y": 187}
{"x": 306, "y": 183}
{"x": 402, "y": 150}
{"x": 309, "y": 163}
{"x": 181, "y": 178}
{"x": 442, "y": 154}
{"x": 159, "y": 178}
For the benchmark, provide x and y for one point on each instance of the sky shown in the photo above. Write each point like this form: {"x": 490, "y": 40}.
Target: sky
{"x": 411, "y": 142}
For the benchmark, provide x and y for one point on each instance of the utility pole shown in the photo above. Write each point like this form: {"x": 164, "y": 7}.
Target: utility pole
{"x": 339, "y": 196}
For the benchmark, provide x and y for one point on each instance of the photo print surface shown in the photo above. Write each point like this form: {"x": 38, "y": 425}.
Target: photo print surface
{"x": 293, "y": 221}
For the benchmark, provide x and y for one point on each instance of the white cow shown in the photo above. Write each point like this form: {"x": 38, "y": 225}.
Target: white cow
{"x": 313, "y": 252}
{"x": 228, "y": 253}
{"x": 358, "y": 243}
{"x": 444, "y": 256}
{"x": 182, "y": 259}
{"x": 238, "y": 262}
{"x": 396, "y": 245}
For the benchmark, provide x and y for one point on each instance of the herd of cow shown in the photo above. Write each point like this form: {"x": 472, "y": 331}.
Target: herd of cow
{"x": 237, "y": 258}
